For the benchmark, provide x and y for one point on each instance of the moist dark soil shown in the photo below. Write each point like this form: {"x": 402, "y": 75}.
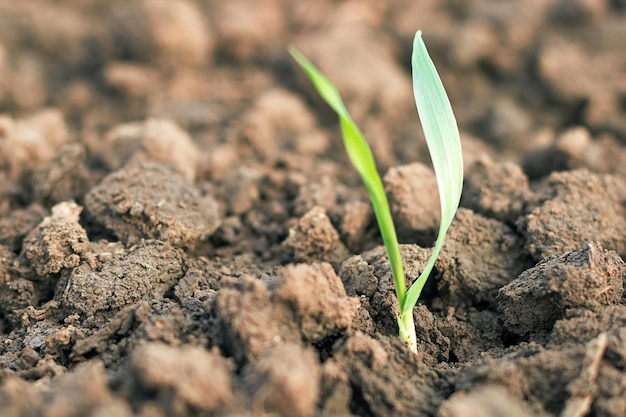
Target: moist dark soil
{"x": 181, "y": 232}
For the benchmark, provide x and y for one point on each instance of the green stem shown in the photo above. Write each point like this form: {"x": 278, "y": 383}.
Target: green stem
{"x": 387, "y": 229}
{"x": 388, "y": 233}
{"x": 407, "y": 330}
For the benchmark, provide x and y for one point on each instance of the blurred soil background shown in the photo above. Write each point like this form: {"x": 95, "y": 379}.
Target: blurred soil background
{"x": 181, "y": 233}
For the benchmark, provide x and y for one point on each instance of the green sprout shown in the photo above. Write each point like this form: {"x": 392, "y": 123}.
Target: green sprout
{"x": 444, "y": 144}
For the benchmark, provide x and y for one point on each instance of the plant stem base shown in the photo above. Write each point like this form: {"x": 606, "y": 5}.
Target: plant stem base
{"x": 407, "y": 331}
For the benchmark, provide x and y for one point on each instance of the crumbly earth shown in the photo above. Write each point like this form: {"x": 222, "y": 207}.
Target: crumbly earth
{"x": 182, "y": 235}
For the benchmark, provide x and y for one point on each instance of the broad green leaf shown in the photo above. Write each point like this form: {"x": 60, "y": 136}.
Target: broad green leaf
{"x": 444, "y": 144}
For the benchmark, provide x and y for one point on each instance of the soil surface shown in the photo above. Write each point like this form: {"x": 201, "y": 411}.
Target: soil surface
{"x": 181, "y": 233}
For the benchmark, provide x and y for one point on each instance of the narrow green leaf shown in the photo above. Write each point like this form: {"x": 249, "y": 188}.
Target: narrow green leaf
{"x": 358, "y": 150}
{"x": 361, "y": 157}
{"x": 444, "y": 144}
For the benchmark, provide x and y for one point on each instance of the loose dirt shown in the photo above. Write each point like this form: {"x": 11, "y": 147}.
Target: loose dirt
{"x": 181, "y": 233}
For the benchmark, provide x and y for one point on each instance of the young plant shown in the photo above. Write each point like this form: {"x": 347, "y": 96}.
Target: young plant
{"x": 444, "y": 145}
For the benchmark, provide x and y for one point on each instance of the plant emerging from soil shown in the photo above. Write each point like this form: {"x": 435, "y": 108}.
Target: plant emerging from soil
{"x": 442, "y": 137}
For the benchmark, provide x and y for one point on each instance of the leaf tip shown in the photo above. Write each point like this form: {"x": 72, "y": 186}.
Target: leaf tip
{"x": 293, "y": 51}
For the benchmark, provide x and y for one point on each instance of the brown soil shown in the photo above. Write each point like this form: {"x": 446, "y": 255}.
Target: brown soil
{"x": 181, "y": 233}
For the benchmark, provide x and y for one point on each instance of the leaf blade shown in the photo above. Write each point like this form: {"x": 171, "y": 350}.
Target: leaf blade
{"x": 362, "y": 159}
{"x": 444, "y": 145}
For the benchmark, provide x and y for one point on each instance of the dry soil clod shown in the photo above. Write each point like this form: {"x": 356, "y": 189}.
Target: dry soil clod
{"x": 589, "y": 277}
{"x": 149, "y": 201}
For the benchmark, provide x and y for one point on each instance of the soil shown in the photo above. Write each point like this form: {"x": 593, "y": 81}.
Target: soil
{"x": 181, "y": 233}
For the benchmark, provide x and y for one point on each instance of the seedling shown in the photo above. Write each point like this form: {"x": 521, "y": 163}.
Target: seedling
{"x": 444, "y": 145}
